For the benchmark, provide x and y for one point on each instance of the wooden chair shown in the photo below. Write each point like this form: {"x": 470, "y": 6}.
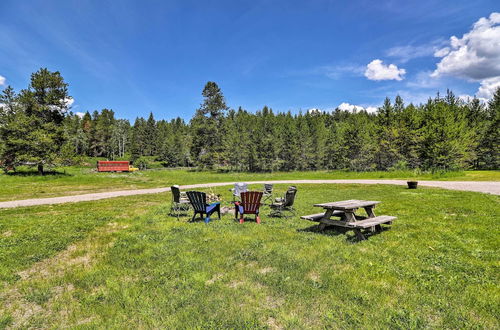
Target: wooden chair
{"x": 283, "y": 207}
{"x": 250, "y": 204}
{"x": 198, "y": 200}
{"x": 180, "y": 201}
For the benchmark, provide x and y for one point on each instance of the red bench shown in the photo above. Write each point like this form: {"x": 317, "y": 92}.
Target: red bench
{"x": 113, "y": 166}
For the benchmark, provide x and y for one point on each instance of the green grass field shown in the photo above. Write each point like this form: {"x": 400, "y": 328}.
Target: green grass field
{"x": 125, "y": 263}
{"x": 73, "y": 181}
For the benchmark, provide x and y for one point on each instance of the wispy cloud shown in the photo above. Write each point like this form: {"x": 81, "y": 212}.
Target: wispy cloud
{"x": 337, "y": 71}
{"x": 406, "y": 53}
{"x": 2, "y": 80}
{"x": 334, "y": 71}
{"x": 423, "y": 79}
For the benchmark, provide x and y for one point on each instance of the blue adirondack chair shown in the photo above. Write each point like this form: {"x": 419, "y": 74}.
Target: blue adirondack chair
{"x": 198, "y": 200}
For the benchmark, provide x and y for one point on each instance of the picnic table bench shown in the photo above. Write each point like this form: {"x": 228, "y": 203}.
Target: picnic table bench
{"x": 348, "y": 219}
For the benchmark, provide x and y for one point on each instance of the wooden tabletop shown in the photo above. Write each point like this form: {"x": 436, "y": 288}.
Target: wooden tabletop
{"x": 347, "y": 205}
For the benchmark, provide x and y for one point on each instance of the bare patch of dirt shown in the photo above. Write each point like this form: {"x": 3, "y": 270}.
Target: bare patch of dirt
{"x": 235, "y": 284}
{"x": 265, "y": 270}
{"x": 313, "y": 276}
{"x": 91, "y": 247}
{"x": 7, "y": 233}
{"x": 25, "y": 311}
{"x": 80, "y": 254}
{"x": 273, "y": 302}
{"x": 215, "y": 278}
{"x": 273, "y": 324}
{"x": 85, "y": 321}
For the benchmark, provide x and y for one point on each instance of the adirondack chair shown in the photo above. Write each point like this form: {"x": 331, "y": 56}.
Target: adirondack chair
{"x": 180, "y": 201}
{"x": 198, "y": 200}
{"x": 239, "y": 187}
{"x": 268, "y": 192}
{"x": 249, "y": 204}
{"x": 283, "y": 207}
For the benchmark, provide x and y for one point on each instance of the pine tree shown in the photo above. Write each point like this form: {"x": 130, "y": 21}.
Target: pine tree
{"x": 388, "y": 132}
{"x": 34, "y": 133}
{"x": 446, "y": 140}
{"x": 104, "y": 133}
{"x": 206, "y": 124}
{"x": 489, "y": 152}
{"x": 138, "y": 139}
{"x": 150, "y": 135}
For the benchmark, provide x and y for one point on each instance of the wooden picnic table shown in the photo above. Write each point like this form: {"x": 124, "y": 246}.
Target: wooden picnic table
{"x": 345, "y": 211}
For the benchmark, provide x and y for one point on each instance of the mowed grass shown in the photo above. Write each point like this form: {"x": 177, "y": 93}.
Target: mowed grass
{"x": 77, "y": 180}
{"x": 125, "y": 263}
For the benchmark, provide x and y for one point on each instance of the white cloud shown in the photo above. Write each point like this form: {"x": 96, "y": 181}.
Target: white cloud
{"x": 80, "y": 114}
{"x": 376, "y": 70}
{"x": 69, "y": 101}
{"x": 348, "y": 107}
{"x": 2, "y": 80}
{"x": 475, "y": 56}
{"x": 468, "y": 98}
{"x": 354, "y": 108}
{"x": 442, "y": 52}
{"x": 314, "y": 111}
{"x": 488, "y": 87}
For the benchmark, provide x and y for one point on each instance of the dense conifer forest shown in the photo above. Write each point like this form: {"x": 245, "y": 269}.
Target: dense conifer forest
{"x": 445, "y": 133}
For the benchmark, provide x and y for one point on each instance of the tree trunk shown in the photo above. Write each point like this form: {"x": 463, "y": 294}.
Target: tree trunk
{"x": 40, "y": 169}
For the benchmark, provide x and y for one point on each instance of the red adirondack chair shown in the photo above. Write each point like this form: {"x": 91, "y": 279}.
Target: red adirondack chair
{"x": 250, "y": 204}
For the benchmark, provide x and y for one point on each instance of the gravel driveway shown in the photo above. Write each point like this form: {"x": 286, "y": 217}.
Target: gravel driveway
{"x": 489, "y": 187}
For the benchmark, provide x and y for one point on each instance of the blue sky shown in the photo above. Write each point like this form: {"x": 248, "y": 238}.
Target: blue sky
{"x": 140, "y": 56}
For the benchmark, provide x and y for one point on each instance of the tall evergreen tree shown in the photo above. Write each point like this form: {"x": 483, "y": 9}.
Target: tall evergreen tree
{"x": 206, "y": 124}
{"x": 34, "y": 134}
{"x": 150, "y": 135}
{"x": 489, "y": 152}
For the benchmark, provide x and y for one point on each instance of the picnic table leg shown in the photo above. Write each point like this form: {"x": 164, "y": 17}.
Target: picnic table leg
{"x": 327, "y": 216}
{"x": 359, "y": 235}
{"x": 349, "y": 216}
{"x": 369, "y": 211}
{"x": 371, "y": 214}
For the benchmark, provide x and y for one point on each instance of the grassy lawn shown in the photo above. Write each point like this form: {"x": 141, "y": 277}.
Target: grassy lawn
{"x": 124, "y": 262}
{"x": 72, "y": 180}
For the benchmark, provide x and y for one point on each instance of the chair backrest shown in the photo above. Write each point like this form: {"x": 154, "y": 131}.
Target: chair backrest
{"x": 290, "y": 196}
{"x": 251, "y": 200}
{"x": 240, "y": 187}
{"x": 198, "y": 199}
{"x": 176, "y": 193}
{"x": 268, "y": 188}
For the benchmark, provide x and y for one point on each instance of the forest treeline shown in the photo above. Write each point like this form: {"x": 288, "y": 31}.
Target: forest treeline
{"x": 445, "y": 133}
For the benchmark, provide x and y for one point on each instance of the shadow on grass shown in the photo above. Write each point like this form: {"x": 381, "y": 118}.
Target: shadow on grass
{"x": 35, "y": 173}
{"x": 328, "y": 231}
{"x": 336, "y": 231}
